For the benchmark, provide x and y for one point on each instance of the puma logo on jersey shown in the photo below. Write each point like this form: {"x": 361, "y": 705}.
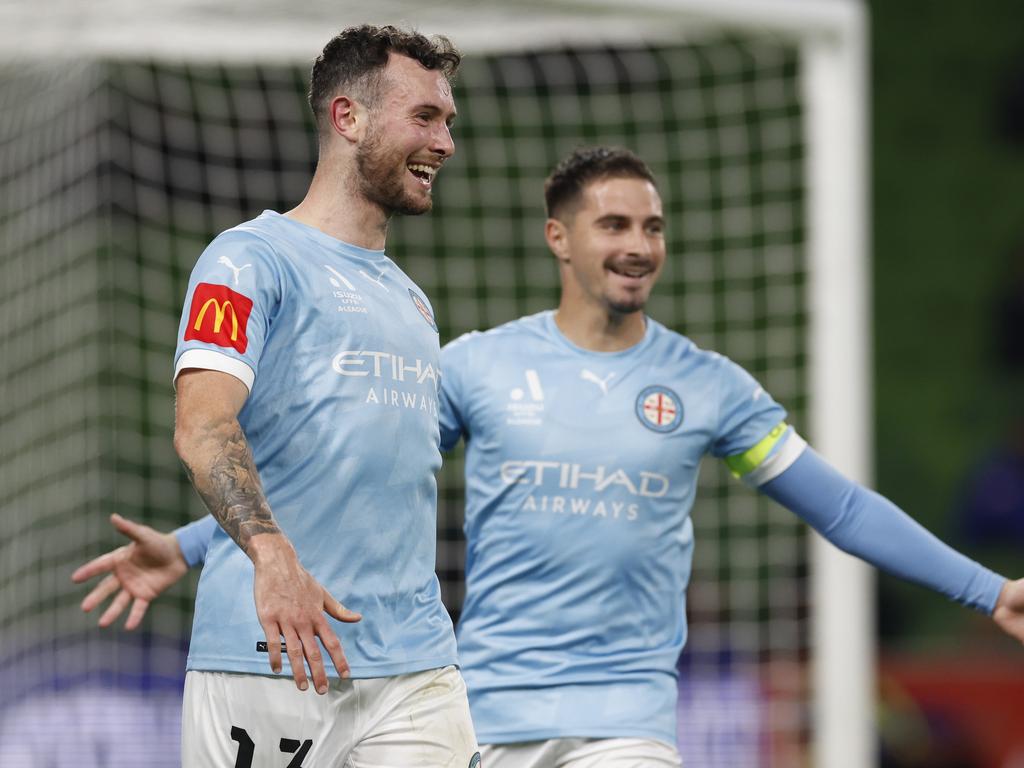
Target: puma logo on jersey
{"x": 594, "y": 379}
{"x": 230, "y": 265}
{"x": 376, "y": 279}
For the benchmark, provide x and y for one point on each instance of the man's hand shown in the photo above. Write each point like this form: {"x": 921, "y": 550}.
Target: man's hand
{"x": 141, "y": 570}
{"x": 291, "y": 603}
{"x": 1009, "y": 612}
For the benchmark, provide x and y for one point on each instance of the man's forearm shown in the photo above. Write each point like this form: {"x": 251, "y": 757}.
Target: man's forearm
{"x": 869, "y": 526}
{"x": 220, "y": 465}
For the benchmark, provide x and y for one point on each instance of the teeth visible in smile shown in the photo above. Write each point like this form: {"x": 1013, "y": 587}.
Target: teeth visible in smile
{"x": 630, "y": 272}
{"x": 429, "y": 170}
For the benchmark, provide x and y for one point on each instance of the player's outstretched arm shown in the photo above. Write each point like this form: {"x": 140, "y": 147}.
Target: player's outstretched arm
{"x": 290, "y": 603}
{"x": 137, "y": 572}
{"x": 869, "y": 526}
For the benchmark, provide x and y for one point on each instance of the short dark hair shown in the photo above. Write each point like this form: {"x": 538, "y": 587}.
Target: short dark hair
{"x": 564, "y": 187}
{"x": 356, "y": 57}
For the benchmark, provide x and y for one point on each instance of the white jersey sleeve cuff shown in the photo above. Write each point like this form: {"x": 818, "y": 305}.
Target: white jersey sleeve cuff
{"x": 211, "y": 360}
{"x": 792, "y": 446}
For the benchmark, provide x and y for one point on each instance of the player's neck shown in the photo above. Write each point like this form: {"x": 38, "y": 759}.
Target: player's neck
{"x": 334, "y": 207}
{"x": 597, "y": 330}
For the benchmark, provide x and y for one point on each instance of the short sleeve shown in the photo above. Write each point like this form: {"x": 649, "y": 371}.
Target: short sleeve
{"x": 752, "y": 434}
{"x": 233, "y": 294}
{"x": 454, "y": 365}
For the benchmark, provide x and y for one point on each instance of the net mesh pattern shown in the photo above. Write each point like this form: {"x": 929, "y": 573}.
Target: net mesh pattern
{"x": 103, "y": 214}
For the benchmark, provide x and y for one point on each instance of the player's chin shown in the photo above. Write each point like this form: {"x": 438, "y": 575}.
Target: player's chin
{"x": 628, "y": 304}
{"x": 415, "y": 205}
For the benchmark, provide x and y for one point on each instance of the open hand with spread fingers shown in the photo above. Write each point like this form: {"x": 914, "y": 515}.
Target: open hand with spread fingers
{"x": 137, "y": 572}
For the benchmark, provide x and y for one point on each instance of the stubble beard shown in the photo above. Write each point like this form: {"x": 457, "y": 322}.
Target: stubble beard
{"x": 382, "y": 179}
{"x": 627, "y": 306}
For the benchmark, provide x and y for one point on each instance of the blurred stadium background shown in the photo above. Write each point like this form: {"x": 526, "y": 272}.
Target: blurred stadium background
{"x": 127, "y": 142}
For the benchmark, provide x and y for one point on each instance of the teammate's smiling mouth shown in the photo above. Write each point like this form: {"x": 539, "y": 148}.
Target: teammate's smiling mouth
{"x": 424, "y": 173}
{"x": 634, "y": 271}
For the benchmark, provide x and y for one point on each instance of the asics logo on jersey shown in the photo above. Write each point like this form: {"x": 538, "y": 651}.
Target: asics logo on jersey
{"x": 573, "y": 476}
{"x": 376, "y": 280}
{"x": 384, "y": 365}
{"x": 230, "y": 265}
{"x": 593, "y": 378}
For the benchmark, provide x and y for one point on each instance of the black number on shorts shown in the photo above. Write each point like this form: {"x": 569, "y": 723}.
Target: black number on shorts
{"x": 300, "y": 750}
{"x": 246, "y": 748}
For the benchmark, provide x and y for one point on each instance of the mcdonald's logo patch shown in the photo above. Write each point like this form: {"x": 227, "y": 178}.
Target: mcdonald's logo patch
{"x": 218, "y": 316}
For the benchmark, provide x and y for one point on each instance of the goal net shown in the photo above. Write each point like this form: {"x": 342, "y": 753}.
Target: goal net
{"x": 115, "y": 171}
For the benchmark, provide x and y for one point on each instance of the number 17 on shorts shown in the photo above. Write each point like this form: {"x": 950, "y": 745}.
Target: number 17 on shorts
{"x": 232, "y": 720}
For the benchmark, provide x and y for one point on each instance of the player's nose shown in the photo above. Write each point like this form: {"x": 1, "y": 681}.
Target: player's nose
{"x": 638, "y": 244}
{"x": 442, "y": 142}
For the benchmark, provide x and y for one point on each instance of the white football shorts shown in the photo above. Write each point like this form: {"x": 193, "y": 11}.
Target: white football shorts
{"x": 581, "y": 753}
{"x": 422, "y": 719}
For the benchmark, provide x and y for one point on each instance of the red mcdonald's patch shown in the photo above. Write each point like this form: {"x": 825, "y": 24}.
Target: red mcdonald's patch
{"x": 218, "y": 316}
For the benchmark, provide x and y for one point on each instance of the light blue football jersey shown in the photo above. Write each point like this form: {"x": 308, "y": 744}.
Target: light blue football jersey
{"x": 581, "y": 470}
{"x": 340, "y": 352}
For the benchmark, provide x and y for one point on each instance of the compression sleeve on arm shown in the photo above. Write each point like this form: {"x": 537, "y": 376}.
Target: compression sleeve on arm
{"x": 194, "y": 539}
{"x": 866, "y": 524}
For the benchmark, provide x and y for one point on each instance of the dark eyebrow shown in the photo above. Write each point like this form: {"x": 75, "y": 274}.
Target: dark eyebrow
{"x": 610, "y": 218}
{"x": 619, "y": 218}
{"x": 435, "y": 110}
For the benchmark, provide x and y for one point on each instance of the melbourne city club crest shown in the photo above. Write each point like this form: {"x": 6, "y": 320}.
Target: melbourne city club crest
{"x": 659, "y": 408}
{"x": 422, "y": 308}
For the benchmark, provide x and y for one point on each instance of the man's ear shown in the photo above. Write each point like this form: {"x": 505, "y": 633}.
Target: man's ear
{"x": 557, "y": 236}
{"x": 348, "y": 117}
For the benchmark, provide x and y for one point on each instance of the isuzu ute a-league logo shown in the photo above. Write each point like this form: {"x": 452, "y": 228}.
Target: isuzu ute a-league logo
{"x": 525, "y": 407}
{"x": 659, "y": 408}
{"x": 421, "y": 306}
{"x": 348, "y": 298}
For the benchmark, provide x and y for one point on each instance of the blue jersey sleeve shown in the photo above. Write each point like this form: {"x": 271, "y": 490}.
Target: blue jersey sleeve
{"x": 752, "y": 435}
{"x": 454, "y": 372}
{"x": 233, "y": 295}
{"x": 746, "y": 412}
{"x": 869, "y": 526}
{"x": 194, "y": 539}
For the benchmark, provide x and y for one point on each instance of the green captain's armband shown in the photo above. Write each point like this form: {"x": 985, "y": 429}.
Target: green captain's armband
{"x": 744, "y": 463}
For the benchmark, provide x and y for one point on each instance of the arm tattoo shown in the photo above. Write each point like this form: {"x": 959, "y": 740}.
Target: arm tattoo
{"x": 232, "y": 490}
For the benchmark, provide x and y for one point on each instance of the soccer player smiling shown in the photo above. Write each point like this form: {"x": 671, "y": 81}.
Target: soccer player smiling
{"x": 585, "y": 428}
